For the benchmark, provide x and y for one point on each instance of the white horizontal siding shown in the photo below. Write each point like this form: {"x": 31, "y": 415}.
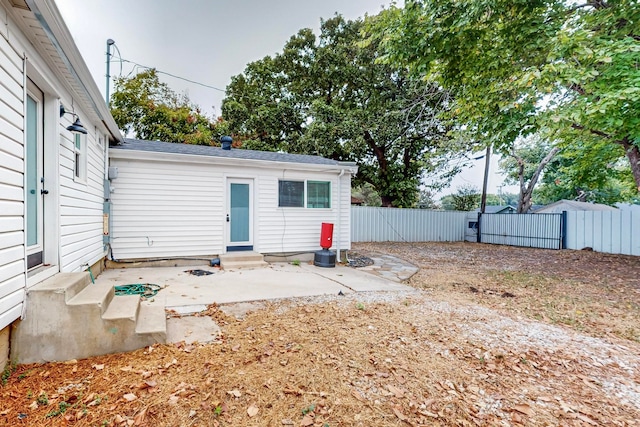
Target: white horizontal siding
{"x": 81, "y": 203}
{"x": 12, "y": 250}
{"x": 166, "y": 210}
{"x": 282, "y": 230}
{"x": 172, "y": 209}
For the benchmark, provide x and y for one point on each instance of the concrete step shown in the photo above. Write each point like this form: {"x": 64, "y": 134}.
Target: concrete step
{"x": 65, "y": 285}
{"x": 243, "y": 259}
{"x": 241, "y": 256}
{"x": 66, "y": 318}
{"x": 123, "y": 307}
{"x": 152, "y": 321}
{"x": 96, "y": 295}
{"x": 235, "y": 265}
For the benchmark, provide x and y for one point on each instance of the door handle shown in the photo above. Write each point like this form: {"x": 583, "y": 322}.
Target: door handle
{"x": 44, "y": 191}
{"x": 227, "y": 217}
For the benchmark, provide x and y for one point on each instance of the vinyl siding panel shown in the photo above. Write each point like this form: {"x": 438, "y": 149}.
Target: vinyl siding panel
{"x": 173, "y": 209}
{"x": 81, "y": 203}
{"x": 283, "y": 230}
{"x": 166, "y": 210}
{"x": 12, "y": 250}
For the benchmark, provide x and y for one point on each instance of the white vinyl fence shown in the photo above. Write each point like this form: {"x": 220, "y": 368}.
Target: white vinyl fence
{"x": 370, "y": 224}
{"x": 616, "y": 232}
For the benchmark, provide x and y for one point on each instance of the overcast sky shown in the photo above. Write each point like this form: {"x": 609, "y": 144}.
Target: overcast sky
{"x": 206, "y": 41}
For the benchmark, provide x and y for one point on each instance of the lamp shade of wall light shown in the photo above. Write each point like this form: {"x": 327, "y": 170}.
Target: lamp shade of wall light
{"x": 77, "y": 125}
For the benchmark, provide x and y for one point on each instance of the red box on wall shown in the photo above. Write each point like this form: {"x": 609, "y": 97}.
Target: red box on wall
{"x": 326, "y": 235}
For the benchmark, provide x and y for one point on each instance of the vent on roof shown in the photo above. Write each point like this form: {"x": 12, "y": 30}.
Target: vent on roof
{"x": 20, "y": 4}
{"x": 226, "y": 142}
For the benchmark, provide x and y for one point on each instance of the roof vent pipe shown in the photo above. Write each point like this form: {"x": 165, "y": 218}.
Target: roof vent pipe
{"x": 226, "y": 142}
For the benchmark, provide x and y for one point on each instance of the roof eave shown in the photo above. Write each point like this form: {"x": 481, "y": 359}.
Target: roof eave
{"x": 50, "y": 19}
{"x": 229, "y": 161}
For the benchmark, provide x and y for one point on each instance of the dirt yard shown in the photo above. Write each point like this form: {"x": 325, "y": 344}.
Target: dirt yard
{"x": 490, "y": 336}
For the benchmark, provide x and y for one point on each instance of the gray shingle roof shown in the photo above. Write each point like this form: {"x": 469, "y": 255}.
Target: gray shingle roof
{"x": 573, "y": 205}
{"x": 205, "y": 150}
{"x": 497, "y": 209}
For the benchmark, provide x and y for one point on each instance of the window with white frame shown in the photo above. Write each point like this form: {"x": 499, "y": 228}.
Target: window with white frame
{"x": 318, "y": 194}
{"x": 80, "y": 157}
{"x": 292, "y": 194}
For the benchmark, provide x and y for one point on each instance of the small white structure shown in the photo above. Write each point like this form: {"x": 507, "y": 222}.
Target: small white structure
{"x": 51, "y": 179}
{"x": 180, "y": 200}
{"x": 572, "y": 205}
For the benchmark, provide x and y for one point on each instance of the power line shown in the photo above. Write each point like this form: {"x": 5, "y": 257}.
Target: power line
{"x": 169, "y": 74}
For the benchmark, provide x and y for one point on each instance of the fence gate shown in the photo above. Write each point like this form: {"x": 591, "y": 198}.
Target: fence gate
{"x": 543, "y": 230}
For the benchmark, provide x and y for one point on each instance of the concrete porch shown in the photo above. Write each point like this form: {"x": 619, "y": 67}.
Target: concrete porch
{"x": 70, "y": 317}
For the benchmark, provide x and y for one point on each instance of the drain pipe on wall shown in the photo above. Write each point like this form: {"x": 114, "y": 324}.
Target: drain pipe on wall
{"x": 339, "y": 211}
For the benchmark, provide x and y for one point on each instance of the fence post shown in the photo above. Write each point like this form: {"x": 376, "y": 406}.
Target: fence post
{"x": 563, "y": 230}
{"x": 479, "y": 237}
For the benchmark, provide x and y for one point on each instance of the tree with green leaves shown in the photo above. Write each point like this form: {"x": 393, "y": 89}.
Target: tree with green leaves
{"x": 367, "y": 194}
{"x": 328, "y": 96}
{"x": 524, "y": 165}
{"x": 146, "y": 107}
{"x": 588, "y": 173}
{"x": 565, "y": 70}
{"x": 466, "y": 198}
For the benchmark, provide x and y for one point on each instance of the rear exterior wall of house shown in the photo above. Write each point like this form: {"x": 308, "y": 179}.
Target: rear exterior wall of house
{"x": 178, "y": 208}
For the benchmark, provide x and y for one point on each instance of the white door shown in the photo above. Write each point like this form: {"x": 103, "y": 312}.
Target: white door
{"x": 239, "y": 215}
{"x": 34, "y": 165}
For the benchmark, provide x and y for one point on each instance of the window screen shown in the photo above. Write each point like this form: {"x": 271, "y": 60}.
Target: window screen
{"x": 318, "y": 194}
{"x": 291, "y": 194}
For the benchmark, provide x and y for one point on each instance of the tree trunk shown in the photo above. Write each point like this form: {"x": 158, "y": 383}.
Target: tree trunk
{"x": 381, "y": 156}
{"x": 526, "y": 192}
{"x": 633, "y": 154}
{"x": 386, "y": 201}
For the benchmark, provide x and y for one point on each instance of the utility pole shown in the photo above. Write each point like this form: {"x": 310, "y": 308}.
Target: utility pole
{"x": 487, "y": 158}
{"x": 110, "y": 43}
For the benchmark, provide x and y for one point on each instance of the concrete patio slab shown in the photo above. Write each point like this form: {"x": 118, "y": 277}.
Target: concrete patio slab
{"x": 186, "y": 293}
{"x": 237, "y": 291}
{"x": 192, "y": 329}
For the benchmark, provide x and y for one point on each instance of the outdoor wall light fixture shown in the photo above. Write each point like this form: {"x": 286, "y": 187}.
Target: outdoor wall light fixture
{"x": 77, "y": 125}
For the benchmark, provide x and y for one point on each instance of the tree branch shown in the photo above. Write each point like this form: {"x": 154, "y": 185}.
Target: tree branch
{"x": 599, "y": 133}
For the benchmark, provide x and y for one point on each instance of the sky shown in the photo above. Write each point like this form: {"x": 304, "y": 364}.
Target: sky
{"x": 207, "y": 41}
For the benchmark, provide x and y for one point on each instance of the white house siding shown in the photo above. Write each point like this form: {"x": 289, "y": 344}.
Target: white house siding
{"x": 176, "y": 208}
{"x": 73, "y": 219}
{"x": 166, "y": 209}
{"x": 81, "y": 203}
{"x": 12, "y": 239}
{"x": 282, "y": 230}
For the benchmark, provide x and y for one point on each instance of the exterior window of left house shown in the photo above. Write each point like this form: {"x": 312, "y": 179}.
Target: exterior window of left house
{"x": 80, "y": 156}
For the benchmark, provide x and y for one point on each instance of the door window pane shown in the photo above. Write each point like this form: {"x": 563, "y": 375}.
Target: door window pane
{"x": 33, "y": 190}
{"x": 239, "y": 212}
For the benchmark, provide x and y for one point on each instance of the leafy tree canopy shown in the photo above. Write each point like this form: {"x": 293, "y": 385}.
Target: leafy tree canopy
{"x": 466, "y": 198}
{"x": 328, "y": 96}
{"x": 567, "y": 70}
{"x": 588, "y": 172}
{"x": 148, "y": 108}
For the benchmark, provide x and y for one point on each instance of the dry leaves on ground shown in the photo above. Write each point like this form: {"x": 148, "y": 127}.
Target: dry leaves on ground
{"x": 366, "y": 359}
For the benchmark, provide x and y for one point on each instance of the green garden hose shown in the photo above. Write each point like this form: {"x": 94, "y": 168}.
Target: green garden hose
{"x": 145, "y": 290}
